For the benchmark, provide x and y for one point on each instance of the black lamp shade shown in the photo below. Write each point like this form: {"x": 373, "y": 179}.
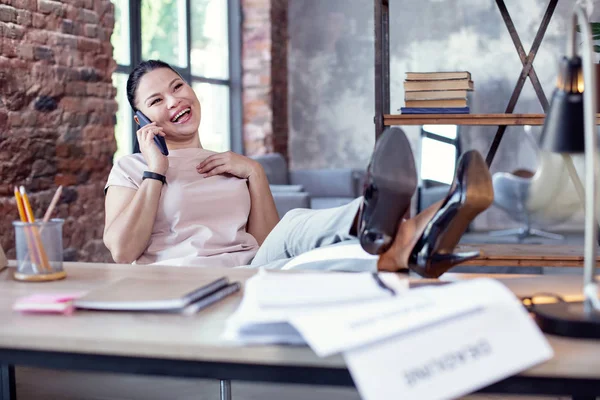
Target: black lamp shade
{"x": 563, "y": 130}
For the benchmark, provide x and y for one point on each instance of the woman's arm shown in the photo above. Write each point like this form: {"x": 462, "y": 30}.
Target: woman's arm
{"x": 130, "y": 213}
{"x": 263, "y": 214}
{"x": 129, "y": 219}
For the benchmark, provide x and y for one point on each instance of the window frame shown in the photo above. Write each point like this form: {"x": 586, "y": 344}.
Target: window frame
{"x": 426, "y": 183}
{"x": 234, "y": 82}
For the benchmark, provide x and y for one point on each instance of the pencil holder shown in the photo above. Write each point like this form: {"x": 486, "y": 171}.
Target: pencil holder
{"x": 39, "y": 251}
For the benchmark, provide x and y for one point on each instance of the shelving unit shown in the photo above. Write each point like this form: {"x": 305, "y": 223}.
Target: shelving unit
{"x": 494, "y": 254}
{"x": 383, "y": 117}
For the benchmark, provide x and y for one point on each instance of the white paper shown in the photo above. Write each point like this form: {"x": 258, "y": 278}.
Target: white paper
{"x": 430, "y": 343}
{"x": 305, "y": 289}
{"x": 451, "y": 359}
{"x": 258, "y": 323}
{"x": 407, "y": 311}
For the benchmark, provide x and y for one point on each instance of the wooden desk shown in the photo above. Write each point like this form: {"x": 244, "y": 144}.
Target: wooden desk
{"x": 175, "y": 345}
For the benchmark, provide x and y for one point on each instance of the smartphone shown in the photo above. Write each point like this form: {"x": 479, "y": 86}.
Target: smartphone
{"x": 159, "y": 140}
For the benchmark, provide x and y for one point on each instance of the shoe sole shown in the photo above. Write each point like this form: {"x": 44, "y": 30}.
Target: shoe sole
{"x": 479, "y": 197}
{"x": 393, "y": 172}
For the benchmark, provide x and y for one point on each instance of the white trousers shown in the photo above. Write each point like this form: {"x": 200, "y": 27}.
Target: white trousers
{"x": 304, "y": 230}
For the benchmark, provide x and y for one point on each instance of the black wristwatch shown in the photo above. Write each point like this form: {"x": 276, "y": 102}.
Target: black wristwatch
{"x": 154, "y": 175}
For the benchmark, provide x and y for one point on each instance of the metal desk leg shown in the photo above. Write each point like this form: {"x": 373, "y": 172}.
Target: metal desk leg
{"x": 8, "y": 389}
{"x": 225, "y": 390}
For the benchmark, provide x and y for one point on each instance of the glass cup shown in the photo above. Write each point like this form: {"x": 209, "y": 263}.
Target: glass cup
{"x": 39, "y": 250}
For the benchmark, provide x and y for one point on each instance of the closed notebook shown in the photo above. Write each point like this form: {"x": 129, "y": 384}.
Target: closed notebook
{"x": 437, "y": 76}
{"x": 139, "y": 294}
{"x": 435, "y": 110}
{"x": 450, "y": 103}
{"x": 454, "y": 84}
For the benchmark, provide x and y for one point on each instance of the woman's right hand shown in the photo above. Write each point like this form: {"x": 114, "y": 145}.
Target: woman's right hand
{"x": 157, "y": 161}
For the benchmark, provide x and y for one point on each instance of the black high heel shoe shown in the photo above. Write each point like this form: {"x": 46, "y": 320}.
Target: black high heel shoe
{"x": 471, "y": 193}
{"x": 390, "y": 184}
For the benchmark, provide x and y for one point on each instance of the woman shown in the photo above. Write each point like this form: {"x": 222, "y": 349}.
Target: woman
{"x": 198, "y": 207}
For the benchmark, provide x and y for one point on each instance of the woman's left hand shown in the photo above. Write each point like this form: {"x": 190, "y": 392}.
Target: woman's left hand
{"x": 228, "y": 163}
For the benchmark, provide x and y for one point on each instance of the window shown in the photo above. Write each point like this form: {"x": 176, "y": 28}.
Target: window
{"x": 120, "y": 41}
{"x": 201, "y": 40}
{"x": 439, "y": 150}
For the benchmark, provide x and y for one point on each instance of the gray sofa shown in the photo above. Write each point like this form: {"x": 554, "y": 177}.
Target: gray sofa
{"x": 309, "y": 188}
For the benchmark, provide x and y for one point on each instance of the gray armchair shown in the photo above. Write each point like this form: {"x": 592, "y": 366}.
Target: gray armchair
{"x": 309, "y": 188}
{"x": 511, "y": 192}
{"x": 544, "y": 198}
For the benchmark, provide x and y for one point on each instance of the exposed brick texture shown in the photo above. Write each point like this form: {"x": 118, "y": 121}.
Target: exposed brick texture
{"x": 264, "y": 66}
{"x": 57, "y": 107}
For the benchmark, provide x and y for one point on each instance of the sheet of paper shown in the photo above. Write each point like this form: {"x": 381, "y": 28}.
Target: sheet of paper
{"x": 305, "y": 289}
{"x": 408, "y": 311}
{"x": 267, "y": 322}
{"x": 450, "y": 359}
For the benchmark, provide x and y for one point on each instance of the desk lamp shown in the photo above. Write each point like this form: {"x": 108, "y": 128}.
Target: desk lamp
{"x": 570, "y": 128}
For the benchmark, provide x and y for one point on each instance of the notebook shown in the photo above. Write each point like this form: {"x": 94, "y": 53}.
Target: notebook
{"x": 139, "y": 294}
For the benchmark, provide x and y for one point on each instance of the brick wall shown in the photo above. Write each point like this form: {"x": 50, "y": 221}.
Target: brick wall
{"x": 57, "y": 115}
{"x": 264, "y": 65}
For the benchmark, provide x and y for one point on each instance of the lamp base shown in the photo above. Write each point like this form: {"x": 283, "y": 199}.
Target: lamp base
{"x": 568, "y": 319}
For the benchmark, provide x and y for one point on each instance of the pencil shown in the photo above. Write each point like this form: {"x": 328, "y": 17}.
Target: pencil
{"x": 28, "y": 238}
{"x": 36, "y": 233}
{"x": 27, "y": 205}
{"x": 52, "y": 204}
{"x": 20, "y": 205}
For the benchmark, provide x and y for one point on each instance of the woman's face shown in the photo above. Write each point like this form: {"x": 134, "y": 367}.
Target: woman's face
{"x": 170, "y": 102}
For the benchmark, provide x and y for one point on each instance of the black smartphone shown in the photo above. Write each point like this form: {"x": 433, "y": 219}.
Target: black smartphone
{"x": 159, "y": 140}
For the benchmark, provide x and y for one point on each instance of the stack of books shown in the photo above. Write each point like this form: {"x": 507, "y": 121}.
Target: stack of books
{"x": 436, "y": 92}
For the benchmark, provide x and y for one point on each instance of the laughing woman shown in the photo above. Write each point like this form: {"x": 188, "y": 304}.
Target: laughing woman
{"x": 198, "y": 207}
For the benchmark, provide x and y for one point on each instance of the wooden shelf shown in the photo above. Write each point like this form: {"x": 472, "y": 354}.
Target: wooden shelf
{"x": 466, "y": 119}
{"x": 526, "y": 255}
{"x": 463, "y": 119}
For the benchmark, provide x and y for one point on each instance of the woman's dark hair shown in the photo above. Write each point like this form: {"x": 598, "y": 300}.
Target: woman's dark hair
{"x": 138, "y": 72}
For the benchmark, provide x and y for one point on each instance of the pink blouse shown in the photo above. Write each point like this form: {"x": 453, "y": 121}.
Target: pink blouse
{"x": 200, "y": 221}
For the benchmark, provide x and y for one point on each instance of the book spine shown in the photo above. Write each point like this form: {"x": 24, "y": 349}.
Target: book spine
{"x": 437, "y": 110}
{"x": 459, "y": 84}
{"x": 435, "y": 76}
{"x": 456, "y": 103}
{"x": 437, "y": 95}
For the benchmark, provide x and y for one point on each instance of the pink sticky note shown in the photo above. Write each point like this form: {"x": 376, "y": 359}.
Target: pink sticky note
{"x": 59, "y": 303}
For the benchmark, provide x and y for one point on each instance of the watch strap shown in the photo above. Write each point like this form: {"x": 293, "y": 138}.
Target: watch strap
{"x": 154, "y": 175}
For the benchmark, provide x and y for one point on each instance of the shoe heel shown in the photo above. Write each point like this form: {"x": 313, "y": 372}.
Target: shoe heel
{"x": 470, "y": 194}
{"x": 393, "y": 200}
{"x": 439, "y": 263}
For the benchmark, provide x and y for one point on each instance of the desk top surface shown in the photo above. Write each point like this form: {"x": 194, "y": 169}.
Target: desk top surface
{"x": 198, "y": 337}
